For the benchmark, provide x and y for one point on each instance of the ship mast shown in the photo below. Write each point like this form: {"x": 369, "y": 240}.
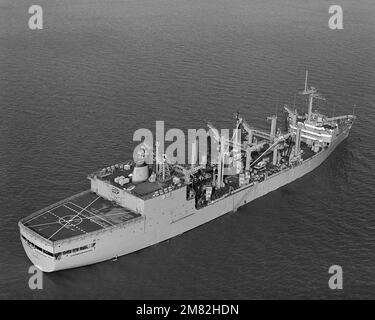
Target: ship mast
{"x": 313, "y": 94}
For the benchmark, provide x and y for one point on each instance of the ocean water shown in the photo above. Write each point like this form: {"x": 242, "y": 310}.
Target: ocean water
{"x": 72, "y": 95}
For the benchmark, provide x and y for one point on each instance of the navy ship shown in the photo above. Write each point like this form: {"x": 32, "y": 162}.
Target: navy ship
{"x": 135, "y": 204}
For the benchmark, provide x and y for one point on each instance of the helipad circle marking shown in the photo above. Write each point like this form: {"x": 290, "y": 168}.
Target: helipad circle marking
{"x": 70, "y": 220}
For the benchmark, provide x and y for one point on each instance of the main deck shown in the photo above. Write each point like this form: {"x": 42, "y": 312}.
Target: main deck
{"x": 77, "y": 215}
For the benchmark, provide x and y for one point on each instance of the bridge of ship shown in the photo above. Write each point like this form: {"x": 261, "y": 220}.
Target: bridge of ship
{"x": 79, "y": 215}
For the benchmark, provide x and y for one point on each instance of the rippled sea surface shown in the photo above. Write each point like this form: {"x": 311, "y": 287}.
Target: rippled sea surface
{"x": 72, "y": 95}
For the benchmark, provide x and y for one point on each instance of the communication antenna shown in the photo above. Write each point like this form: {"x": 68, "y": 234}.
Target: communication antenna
{"x": 164, "y": 172}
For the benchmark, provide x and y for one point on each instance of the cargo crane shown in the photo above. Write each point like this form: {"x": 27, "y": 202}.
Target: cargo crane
{"x": 274, "y": 147}
{"x": 274, "y": 138}
{"x": 247, "y": 147}
{"x": 253, "y": 132}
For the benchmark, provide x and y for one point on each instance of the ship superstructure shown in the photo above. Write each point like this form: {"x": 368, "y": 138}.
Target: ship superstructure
{"x": 134, "y": 204}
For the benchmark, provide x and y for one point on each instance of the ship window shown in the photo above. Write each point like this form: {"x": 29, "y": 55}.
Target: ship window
{"x": 67, "y": 251}
{"x": 38, "y": 248}
{"x": 75, "y": 250}
{"x": 48, "y": 253}
{"x": 84, "y": 248}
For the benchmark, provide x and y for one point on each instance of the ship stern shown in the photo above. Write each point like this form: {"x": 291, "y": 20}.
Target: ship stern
{"x": 37, "y": 251}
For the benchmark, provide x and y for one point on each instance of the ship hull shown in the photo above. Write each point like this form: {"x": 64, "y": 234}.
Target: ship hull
{"x": 139, "y": 234}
